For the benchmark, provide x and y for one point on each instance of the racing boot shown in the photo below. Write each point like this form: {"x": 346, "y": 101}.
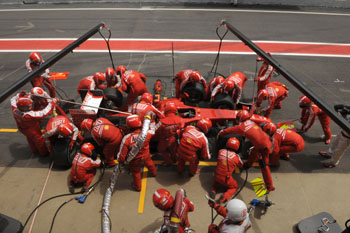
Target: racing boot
{"x": 212, "y": 194}
{"x": 329, "y": 165}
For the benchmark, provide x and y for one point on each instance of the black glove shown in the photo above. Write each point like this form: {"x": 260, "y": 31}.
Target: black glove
{"x": 211, "y": 203}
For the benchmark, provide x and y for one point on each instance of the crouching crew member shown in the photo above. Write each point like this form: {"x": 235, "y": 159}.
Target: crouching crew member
{"x": 184, "y": 77}
{"x": 308, "y": 115}
{"x": 175, "y": 210}
{"x": 236, "y": 218}
{"x": 193, "y": 141}
{"x": 227, "y": 161}
{"x": 106, "y": 135}
{"x": 142, "y": 155}
{"x": 84, "y": 167}
{"x": 284, "y": 141}
{"x": 61, "y": 126}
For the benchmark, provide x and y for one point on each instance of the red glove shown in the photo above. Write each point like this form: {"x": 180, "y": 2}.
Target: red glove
{"x": 71, "y": 144}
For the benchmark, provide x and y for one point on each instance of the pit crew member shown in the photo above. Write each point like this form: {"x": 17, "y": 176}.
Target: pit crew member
{"x": 106, "y": 135}
{"x": 175, "y": 210}
{"x": 134, "y": 124}
{"x": 84, "y": 167}
{"x": 227, "y": 161}
{"x": 193, "y": 141}
{"x": 185, "y": 77}
{"x": 308, "y": 115}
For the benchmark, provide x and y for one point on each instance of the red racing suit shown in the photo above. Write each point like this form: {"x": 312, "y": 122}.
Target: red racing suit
{"x": 277, "y": 92}
{"x": 264, "y": 75}
{"x": 107, "y": 136}
{"x": 227, "y": 161}
{"x": 285, "y": 141}
{"x": 182, "y": 78}
{"x": 308, "y": 116}
{"x": 261, "y": 147}
{"x": 186, "y": 206}
{"x": 52, "y": 130}
{"x": 142, "y": 108}
{"x": 88, "y": 83}
{"x": 143, "y": 157}
{"x": 42, "y": 79}
{"x": 192, "y": 141}
{"x": 169, "y": 131}
{"x": 28, "y": 123}
{"x": 83, "y": 169}
{"x": 239, "y": 79}
{"x": 227, "y": 226}
{"x": 133, "y": 83}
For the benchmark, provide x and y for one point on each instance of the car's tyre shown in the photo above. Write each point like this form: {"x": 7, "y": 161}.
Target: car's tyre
{"x": 222, "y": 101}
{"x": 114, "y": 95}
{"x": 195, "y": 91}
{"x": 62, "y": 156}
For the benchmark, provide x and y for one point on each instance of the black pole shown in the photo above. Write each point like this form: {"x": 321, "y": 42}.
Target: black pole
{"x": 52, "y": 60}
{"x": 291, "y": 78}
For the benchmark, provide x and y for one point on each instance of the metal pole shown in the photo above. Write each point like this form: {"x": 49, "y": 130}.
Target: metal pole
{"x": 52, "y": 60}
{"x": 291, "y": 78}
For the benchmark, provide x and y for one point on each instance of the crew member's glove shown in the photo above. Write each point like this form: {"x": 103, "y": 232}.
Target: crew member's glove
{"x": 71, "y": 144}
{"x": 211, "y": 203}
{"x": 22, "y": 94}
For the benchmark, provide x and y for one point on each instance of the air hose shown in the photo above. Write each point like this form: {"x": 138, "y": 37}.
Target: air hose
{"x": 106, "y": 221}
{"x": 216, "y": 62}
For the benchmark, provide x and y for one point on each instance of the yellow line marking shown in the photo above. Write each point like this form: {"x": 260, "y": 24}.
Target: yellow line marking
{"x": 9, "y": 130}
{"x": 143, "y": 190}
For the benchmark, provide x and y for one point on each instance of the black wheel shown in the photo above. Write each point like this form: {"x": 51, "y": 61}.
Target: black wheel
{"x": 222, "y": 101}
{"x": 114, "y": 95}
{"x": 62, "y": 156}
{"x": 195, "y": 91}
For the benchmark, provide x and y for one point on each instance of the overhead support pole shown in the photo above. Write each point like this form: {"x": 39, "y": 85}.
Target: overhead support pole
{"x": 291, "y": 78}
{"x": 52, "y": 60}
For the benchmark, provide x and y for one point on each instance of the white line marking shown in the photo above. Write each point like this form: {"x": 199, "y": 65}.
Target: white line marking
{"x": 177, "y": 52}
{"x": 41, "y": 196}
{"x": 179, "y": 40}
{"x": 176, "y": 9}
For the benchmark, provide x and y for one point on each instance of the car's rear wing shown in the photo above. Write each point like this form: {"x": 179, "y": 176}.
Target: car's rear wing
{"x": 290, "y": 77}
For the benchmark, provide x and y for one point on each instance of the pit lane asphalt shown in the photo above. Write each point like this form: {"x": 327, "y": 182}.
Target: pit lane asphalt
{"x": 303, "y": 186}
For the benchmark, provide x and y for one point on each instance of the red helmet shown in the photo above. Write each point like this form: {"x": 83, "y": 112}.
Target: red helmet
{"x": 99, "y": 78}
{"x": 262, "y": 95}
{"x": 120, "y": 70}
{"x": 219, "y": 80}
{"x": 133, "y": 121}
{"x": 170, "y": 107}
{"x": 233, "y": 143}
{"x": 204, "y": 124}
{"x": 35, "y": 59}
{"x": 270, "y": 128}
{"x": 87, "y": 148}
{"x": 243, "y": 115}
{"x": 304, "y": 101}
{"x": 65, "y": 130}
{"x": 110, "y": 74}
{"x": 162, "y": 199}
{"x": 228, "y": 85}
{"x": 147, "y": 98}
{"x": 195, "y": 76}
{"x": 86, "y": 124}
{"x": 37, "y": 91}
{"x": 24, "y": 104}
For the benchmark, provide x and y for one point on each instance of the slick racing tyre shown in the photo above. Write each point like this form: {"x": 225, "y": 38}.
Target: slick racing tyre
{"x": 113, "y": 95}
{"x": 222, "y": 101}
{"x": 195, "y": 92}
{"x": 62, "y": 156}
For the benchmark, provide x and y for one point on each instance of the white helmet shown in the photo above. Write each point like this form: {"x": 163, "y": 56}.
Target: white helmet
{"x": 237, "y": 210}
